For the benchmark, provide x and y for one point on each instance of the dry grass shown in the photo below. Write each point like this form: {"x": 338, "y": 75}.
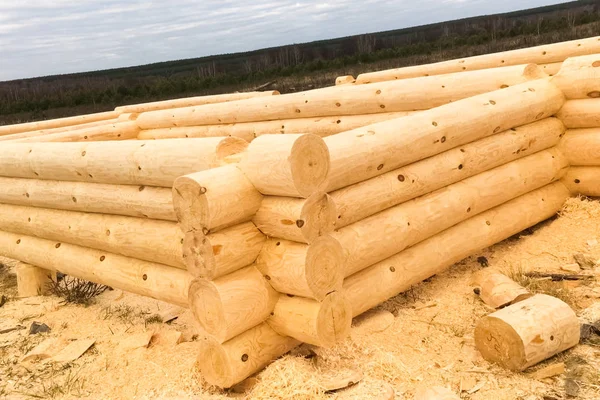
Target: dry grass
{"x": 75, "y": 290}
{"x": 544, "y": 286}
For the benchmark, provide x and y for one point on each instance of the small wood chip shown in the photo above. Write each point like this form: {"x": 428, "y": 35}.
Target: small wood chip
{"x": 336, "y": 380}
{"x": 73, "y": 351}
{"x": 592, "y": 242}
{"x": 44, "y": 350}
{"x": 585, "y": 261}
{"x": 372, "y": 321}
{"x": 574, "y": 268}
{"x": 169, "y": 314}
{"x": 136, "y": 341}
{"x": 477, "y": 387}
{"x": 467, "y": 383}
{"x": 167, "y": 338}
{"x": 549, "y": 371}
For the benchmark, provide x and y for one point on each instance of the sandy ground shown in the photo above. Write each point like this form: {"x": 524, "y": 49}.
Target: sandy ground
{"x": 429, "y": 340}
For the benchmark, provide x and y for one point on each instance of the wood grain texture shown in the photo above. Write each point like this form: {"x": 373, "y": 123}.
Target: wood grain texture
{"x": 583, "y": 180}
{"x": 580, "y": 113}
{"x": 57, "y": 123}
{"x": 579, "y": 77}
{"x": 112, "y": 131}
{"x": 581, "y": 146}
{"x": 62, "y": 129}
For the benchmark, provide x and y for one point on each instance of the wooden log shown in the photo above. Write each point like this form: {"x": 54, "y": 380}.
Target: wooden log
{"x": 135, "y": 201}
{"x": 435, "y": 393}
{"x": 192, "y": 101}
{"x": 128, "y": 117}
{"x": 578, "y": 77}
{"x": 229, "y": 363}
{"x": 132, "y": 275}
{"x": 232, "y": 304}
{"x": 214, "y": 199}
{"x": 523, "y": 334}
{"x": 406, "y": 95}
{"x": 298, "y": 269}
{"x": 62, "y": 129}
{"x": 287, "y": 165}
{"x": 217, "y": 254}
{"x": 320, "y": 126}
{"x": 300, "y": 220}
{"x": 363, "y": 199}
{"x": 344, "y": 80}
{"x": 583, "y": 180}
{"x": 386, "y": 233}
{"x": 112, "y": 131}
{"x": 580, "y": 113}
{"x": 383, "y": 280}
{"x": 545, "y": 54}
{"x": 581, "y": 146}
{"x": 33, "y": 281}
{"x": 134, "y": 162}
{"x": 145, "y": 239}
{"x": 366, "y": 152}
{"x": 552, "y": 68}
{"x": 323, "y": 324}
{"x": 57, "y": 123}
{"x": 498, "y": 290}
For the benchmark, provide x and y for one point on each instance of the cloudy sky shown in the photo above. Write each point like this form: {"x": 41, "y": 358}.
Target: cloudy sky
{"x": 46, "y": 37}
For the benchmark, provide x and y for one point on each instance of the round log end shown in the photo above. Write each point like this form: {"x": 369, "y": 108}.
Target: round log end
{"x": 207, "y": 306}
{"x": 190, "y": 204}
{"x": 214, "y": 363}
{"x": 324, "y": 266}
{"x": 499, "y": 343}
{"x": 334, "y": 320}
{"x": 198, "y": 255}
{"x": 317, "y": 217}
{"x": 230, "y": 146}
{"x": 309, "y": 162}
{"x": 534, "y": 71}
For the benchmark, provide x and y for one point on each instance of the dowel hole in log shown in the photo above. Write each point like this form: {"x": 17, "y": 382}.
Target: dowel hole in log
{"x": 531, "y": 89}
{"x": 205, "y": 231}
{"x": 85, "y": 137}
{"x": 90, "y": 175}
{"x": 462, "y": 150}
{"x": 513, "y": 129}
{"x": 290, "y": 295}
{"x": 267, "y": 277}
{"x": 278, "y": 244}
{"x": 502, "y": 61}
{"x": 297, "y": 111}
{"x": 145, "y": 277}
{"x": 78, "y": 173}
{"x": 139, "y": 168}
{"x": 339, "y": 121}
{"x": 393, "y": 269}
{"x": 577, "y": 181}
{"x": 28, "y": 219}
{"x": 408, "y": 223}
{"x": 497, "y": 129}
{"x": 72, "y": 198}
{"x": 469, "y": 209}
{"x": 202, "y": 190}
{"x": 18, "y": 241}
{"x": 594, "y": 94}
{"x": 57, "y": 245}
{"x": 378, "y": 92}
{"x": 443, "y": 87}
{"x": 464, "y": 68}
{"x": 443, "y": 139}
{"x": 27, "y": 195}
{"x": 460, "y": 166}
{"x": 102, "y": 258}
{"x": 141, "y": 188}
{"x": 379, "y": 167}
{"x": 36, "y": 174}
{"x": 338, "y": 105}
{"x": 181, "y": 241}
{"x": 492, "y": 102}
{"x": 382, "y": 106}
{"x": 244, "y": 357}
{"x": 552, "y": 337}
{"x": 83, "y": 153}
{"x": 339, "y": 217}
{"x": 596, "y": 64}
{"x": 544, "y": 53}
{"x": 503, "y": 86}
{"x": 488, "y": 223}
{"x": 434, "y": 123}
{"x": 299, "y": 223}
{"x": 305, "y": 101}
{"x": 401, "y": 178}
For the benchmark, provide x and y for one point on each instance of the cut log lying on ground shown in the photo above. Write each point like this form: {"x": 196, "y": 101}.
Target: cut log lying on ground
{"x": 232, "y": 304}
{"x": 323, "y": 324}
{"x": 369, "y": 197}
{"x": 366, "y": 152}
{"x": 581, "y": 146}
{"x": 57, "y": 123}
{"x": 113, "y": 131}
{"x": 132, "y": 275}
{"x": 134, "y": 201}
{"x": 300, "y": 220}
{"x": 379, "y": 282}
{"x": 214, "y": 199}
{"x": 580, "y": 113}
{"x": 63, "y": 129}
{"x": 386, "y": 233}
{"x": 344, "y": 80}
{"x": 583, "y": 180}
{"x": 192, "y": 101}
{"x": 320, "y": 126}
{"x": 298, "y": 269}
{"x": 135, "y": 162}
{"x": 523, "y": 334}
{"x": 226, "y": 364}
{"x": 217, "y": 254}
{"x": 579, "y": 77}
{"x": 33, "y": 281}
{"x": 498, "y": 290}
{"x": 287, "y": 165}
{"x": 545, "y": 54}
{"x": 146, "y": 239}
{"x": 407, "y": 95}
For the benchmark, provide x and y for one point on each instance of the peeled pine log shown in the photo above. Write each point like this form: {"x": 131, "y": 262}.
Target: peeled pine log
{"x": 63, "y": 129}
{"x": 545, "y": 54}
{"x": 132, "y": 275}
{"x": 407, "y": 95}
{"x": 217, "y": 254}
{"x": 323, "y": 324}
{"x": 320, "y": 126}
{"x": 57, "y": 123}
{"x": 33, "y": 281}
{"x": 386, "y": 233}
{"x": 132, "y": 162}
{"x": 583, "y": 180}
{"x": 498, "y": 290}
{"x": 214, "y": 199}
{"x": 580, "y": 113}
{"x": 134, "y": 201}
{"x": 578, "y": 77}
{"x": 146, "y": 239}
{"x": 344, "y": 80}
{"x": 300, "y": 220}
{"x": 373, "y": 150}
{"x": 232, "y": 304}
{"x": 369, "y": 197}
{"x": 191, "y": 101}
{"x": 114, "y": 131}
{"x": 310, "y": 271}
{"x": 286, "y": 165}
{"x": 523, "y": 334}
{"x": 581, "y": 146}
{"x": 128, "y": 117}
{"x": 552, "y": 68}
{"x": 383, "y": 280}
{"x": 229, "y": 363}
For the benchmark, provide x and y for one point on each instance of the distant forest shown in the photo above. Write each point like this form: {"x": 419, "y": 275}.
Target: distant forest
{"x": 294, "y": 67}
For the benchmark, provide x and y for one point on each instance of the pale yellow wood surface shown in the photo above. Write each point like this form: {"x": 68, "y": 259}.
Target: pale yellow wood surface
{"x": 112, "y": 131}
{"x": 581, "y": 146}
{"x": 583, "y": 180}
{"x": 57, "y": 123}
{"x": 33, "y": 281}
{"x": 580, "y": 113}
{"x": 62, "y": 129}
